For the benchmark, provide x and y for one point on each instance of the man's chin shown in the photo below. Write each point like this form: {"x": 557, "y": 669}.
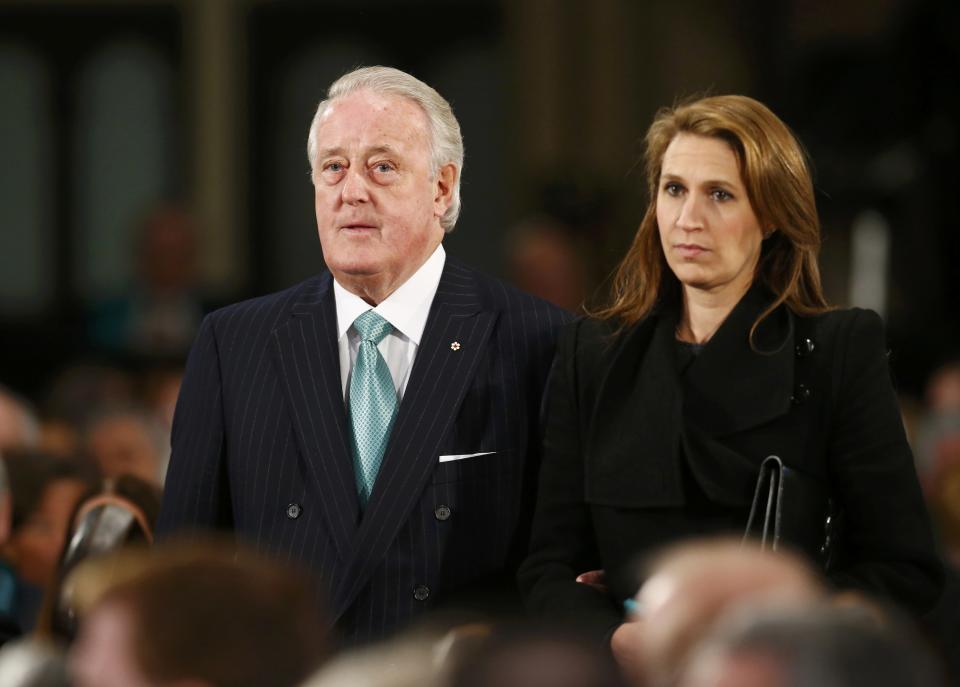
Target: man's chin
{"x": 356, "y": 269}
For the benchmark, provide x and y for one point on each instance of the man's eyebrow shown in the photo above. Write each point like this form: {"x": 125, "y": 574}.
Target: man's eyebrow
{"x": 374, "y": 150}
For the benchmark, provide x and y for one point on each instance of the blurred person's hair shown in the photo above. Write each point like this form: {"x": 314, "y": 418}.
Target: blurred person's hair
{"x": 443, "y": 130}
{"x": 208, "y": 611}
{"x": 406, "y": 661}
{"x": 24, "y": 428}
{"x": 30, "y": 471}
{"x": 533, "y": 655}
{"x": 818, "y": 646}
{"x": 774, "y": 170}
{"x": 118, "y": 513}
{"x": 82, "y": 389}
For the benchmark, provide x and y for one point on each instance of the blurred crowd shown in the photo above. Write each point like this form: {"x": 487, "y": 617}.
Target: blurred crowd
{"x": 86, "y": 599}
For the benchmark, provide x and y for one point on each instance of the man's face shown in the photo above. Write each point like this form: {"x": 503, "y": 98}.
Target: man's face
{"x": 377, "y": 201}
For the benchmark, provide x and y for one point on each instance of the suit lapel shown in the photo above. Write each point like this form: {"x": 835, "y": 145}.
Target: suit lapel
{"x": 454, "y": 342}
{"x": 305, "y": 350}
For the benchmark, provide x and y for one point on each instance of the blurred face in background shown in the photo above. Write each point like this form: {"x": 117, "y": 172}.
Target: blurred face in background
{"x": 709, "y": 232}
{"x": 122, "y": 445}
{"x": 37, "y": 543}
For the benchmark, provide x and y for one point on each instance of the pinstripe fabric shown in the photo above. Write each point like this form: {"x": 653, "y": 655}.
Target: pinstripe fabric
{"x": 261, "y": 425}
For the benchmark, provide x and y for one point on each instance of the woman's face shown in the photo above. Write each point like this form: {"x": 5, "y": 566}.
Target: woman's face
{"x": 708, "y": 230}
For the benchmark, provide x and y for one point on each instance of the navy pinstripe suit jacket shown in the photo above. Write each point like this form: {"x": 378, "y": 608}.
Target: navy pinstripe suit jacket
{"x": 261, "y": 447}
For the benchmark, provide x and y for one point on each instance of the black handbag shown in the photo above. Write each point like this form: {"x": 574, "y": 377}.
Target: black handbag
{"x": 791, "y": 509}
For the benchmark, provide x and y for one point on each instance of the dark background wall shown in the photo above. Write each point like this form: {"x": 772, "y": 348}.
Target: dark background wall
{"x": 111, "y": 107}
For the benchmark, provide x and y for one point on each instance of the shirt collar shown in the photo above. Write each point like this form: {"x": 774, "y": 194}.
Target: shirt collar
{"x": 406, "y": 308}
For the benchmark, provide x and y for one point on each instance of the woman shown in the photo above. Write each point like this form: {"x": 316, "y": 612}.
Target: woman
{"x": 717, "y": 351}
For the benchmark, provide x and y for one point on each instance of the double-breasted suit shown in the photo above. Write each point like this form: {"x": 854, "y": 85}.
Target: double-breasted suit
{"x": 644, "y": 448}
{"x": 261, "y": 447}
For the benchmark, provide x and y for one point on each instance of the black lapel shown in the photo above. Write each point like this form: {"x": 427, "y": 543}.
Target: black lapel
{"x": 453, "y": 343}
{"x": 636, "y": 422}
{"x": 731, "y": 387}
{"x": 305, "y": 350}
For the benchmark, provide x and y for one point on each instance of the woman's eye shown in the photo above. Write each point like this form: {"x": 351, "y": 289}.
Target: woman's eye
{"x": 672, "y": 188}
{"x": 720, "y": 194}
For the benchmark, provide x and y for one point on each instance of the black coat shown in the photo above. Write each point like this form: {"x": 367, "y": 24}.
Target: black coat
{"x": 638, "y": 455}
{"x": 260, "y": 447}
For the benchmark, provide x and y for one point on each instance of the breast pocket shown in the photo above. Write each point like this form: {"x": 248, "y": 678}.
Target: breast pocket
{"x": 475, "y": 466}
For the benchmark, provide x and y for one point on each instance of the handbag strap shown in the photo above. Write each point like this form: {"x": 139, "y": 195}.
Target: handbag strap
{"x": 771, "y": 475}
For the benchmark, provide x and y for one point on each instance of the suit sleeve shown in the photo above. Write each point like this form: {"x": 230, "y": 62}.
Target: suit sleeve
{"x": 195, "y": 495}
{"x": 887, "y": 543}
{"x": 562, "y": 543}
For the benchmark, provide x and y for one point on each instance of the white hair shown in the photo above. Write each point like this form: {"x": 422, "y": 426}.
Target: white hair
{"x": 446, "y": 143}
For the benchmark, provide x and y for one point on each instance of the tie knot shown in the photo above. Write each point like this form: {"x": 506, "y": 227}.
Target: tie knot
{"x": 371, "y": 327}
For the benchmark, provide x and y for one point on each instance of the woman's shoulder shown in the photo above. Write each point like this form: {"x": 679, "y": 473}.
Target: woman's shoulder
{"x": 597, "y": 336}
{"x": 843, "y": 323}
{"x": 851, "y": 336}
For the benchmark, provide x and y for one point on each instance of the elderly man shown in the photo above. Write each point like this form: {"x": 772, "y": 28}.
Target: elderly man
{"x": 378, "y": 422}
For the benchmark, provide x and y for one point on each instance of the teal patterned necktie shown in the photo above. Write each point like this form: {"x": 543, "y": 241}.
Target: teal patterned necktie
{"x": 373, "y": 402}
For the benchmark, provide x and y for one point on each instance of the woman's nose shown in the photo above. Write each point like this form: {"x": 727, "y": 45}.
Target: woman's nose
{"x": 689, "y": 215}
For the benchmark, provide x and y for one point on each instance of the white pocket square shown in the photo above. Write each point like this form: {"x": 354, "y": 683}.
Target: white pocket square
{"x": 461, "y": 456}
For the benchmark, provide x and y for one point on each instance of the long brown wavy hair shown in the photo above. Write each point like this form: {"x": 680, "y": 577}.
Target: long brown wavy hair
{"x": 774, "y": 171}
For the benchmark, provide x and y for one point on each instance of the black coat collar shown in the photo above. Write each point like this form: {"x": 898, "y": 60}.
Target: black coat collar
{"x": 647, "y": 419}
{"x": 732, "y": 385}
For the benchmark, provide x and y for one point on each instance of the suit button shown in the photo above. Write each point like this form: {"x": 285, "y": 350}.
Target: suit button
{"x": 805, "y": 348}
{"x": 421, "y": 592}
{"x": 442, "y": 513}
{"x": 294, "y": 510}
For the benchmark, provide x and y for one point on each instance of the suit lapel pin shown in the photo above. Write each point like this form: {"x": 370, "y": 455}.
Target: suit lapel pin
{"x": 455, "y": 346}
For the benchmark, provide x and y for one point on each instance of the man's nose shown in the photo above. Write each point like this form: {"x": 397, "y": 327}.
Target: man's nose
{"x": 354, "y": 189}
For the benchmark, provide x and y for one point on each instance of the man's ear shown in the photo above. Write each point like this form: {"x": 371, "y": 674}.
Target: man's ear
{"x": 446, "y": 181}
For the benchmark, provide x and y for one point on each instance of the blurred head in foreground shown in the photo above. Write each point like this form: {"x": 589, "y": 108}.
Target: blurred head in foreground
{"x": 198, "y": 615}
{"x": 693, "y": 585}
{"x": 814, "y": 647}
{"x": 536, "y": 657}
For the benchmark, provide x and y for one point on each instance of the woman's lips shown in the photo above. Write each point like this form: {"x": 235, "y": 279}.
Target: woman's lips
{"x": 689, "y": 250}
